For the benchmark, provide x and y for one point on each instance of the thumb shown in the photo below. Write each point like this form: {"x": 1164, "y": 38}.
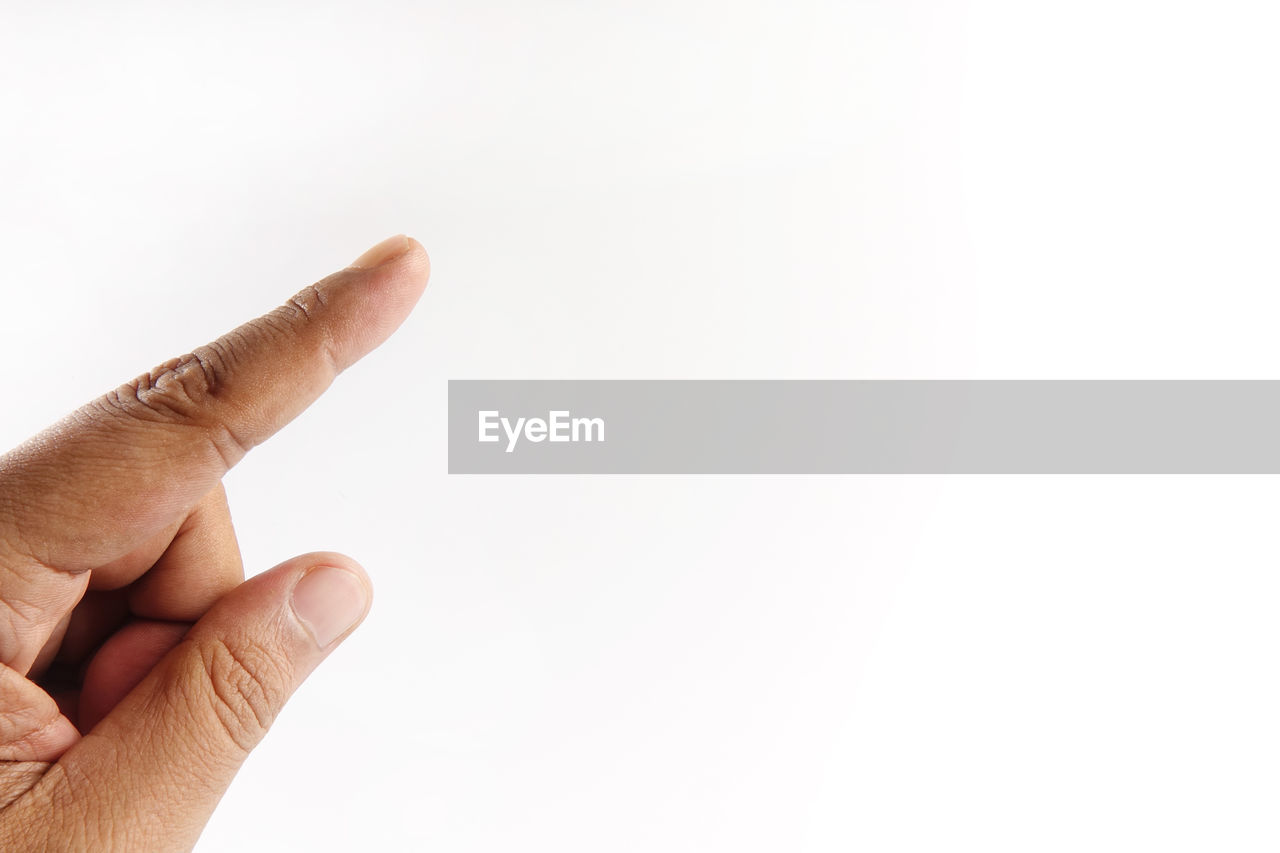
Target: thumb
{"x": 149, "y": 775}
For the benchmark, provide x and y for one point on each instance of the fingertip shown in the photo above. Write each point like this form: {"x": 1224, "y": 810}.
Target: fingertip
{"x": 418, "y": 254}
{"x": 58, "y": 738}
{"x": 406, "y": 274}
{"x": 303, "y": 562}
{"x": 330, "y": 601}
{"x": 401, "y": 252}
{"x": 381, "y": 253}
{"x": 357, "y": 308}
{"x": 47, "y": 744}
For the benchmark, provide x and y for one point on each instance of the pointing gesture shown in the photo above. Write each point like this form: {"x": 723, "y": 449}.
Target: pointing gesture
{"x": 137, "y": 668}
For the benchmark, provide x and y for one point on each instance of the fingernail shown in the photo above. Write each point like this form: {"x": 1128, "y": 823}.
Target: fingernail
{"x": 388, "y": 250}
{"x": 329, "y": 601}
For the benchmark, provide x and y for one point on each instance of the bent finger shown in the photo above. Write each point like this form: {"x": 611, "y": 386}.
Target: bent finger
{"x": 201, "y": 565}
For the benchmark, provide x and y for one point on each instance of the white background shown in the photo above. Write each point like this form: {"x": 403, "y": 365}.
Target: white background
{"x": 694, "y": 189}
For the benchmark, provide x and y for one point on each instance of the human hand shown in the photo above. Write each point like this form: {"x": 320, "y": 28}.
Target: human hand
{"x": 124, "y": 613}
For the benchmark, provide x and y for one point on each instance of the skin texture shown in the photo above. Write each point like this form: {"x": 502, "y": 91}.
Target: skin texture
{"x": 138, "y": 668}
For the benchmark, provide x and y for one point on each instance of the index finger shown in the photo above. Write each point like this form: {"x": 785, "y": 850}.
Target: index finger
{"x": 124, "y": 466}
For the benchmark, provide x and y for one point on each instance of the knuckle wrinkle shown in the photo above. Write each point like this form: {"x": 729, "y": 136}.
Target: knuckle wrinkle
{"x": 244, "y": 688}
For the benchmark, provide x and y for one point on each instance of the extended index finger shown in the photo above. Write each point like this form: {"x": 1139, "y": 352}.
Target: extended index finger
{"x": 122, "y": 467}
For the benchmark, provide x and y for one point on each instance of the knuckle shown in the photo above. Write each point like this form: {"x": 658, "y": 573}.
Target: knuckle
{"x": 304, "y": 304}
{"x": 298, "y": 312}
{"x": 181, "y": 388}
{"x": 188, "y": 391}
{"x": 301, "y": 316}
{"x": 244, "y": 686}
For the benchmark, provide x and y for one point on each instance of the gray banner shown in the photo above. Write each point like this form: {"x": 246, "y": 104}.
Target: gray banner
{"x": 863, "y": 427}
